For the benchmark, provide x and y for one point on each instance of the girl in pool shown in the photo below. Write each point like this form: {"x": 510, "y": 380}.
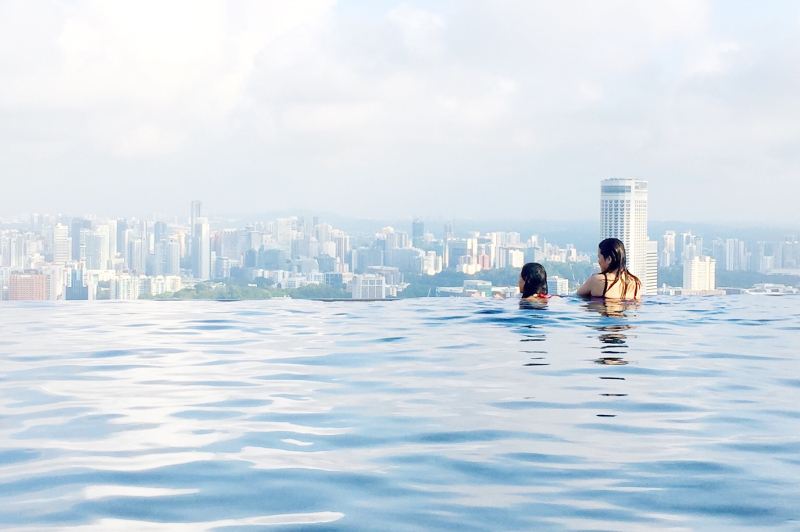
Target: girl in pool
{"x": 614, "y": 280}
{"x": 533, "y": 283}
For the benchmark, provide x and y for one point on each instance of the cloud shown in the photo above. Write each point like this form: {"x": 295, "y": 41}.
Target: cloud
{"x": 433, "y": 100}
{"x": 421, "y": 31}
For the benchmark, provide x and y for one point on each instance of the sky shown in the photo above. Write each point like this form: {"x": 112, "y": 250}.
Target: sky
{"x": 512, "y": 109}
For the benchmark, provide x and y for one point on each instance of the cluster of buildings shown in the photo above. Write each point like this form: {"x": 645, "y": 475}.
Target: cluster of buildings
{"x": 57, "y": 257}
{"x": 700, "y": 264}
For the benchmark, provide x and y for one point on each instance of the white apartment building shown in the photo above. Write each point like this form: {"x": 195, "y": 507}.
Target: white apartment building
{"x": 700, "y": 273}
{"x": 623, "y": 215}
{"x": 124, "y": 287}
{"x": 557, "y": 286}
{"x": 368, "y": 286}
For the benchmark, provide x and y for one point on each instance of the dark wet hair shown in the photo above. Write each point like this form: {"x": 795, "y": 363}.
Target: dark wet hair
{"x": 614, "y": 249}
{"x": 535, "y": 278}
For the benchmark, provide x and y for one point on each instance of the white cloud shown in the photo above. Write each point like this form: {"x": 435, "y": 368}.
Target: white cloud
{"x": 434, "y": 95}
{"x": 422, "y": 31}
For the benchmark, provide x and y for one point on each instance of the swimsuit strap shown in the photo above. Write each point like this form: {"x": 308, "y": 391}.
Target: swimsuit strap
{"x": 605, "y": 286}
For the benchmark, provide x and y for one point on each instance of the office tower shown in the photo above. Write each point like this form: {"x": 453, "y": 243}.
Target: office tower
{"x": 173, "y": 258}
{"x": 112, "y": 243}
{"x": 160, "y": 258}
{"x": 196, "y": 212}
{"x": 668, "y": 257}
{"x": 93, "y": 251}
{"x": 134, "y": 259}
{"x": 122, "y": 240}
{"x": 201, "y": 250}
{"x": 650, "y": 282}
{"x": 700, "y": 273}
{"x": 80, "y": 228}
{"x": 623, "y": 215}
{"x": 61, "y": 244}
{"x": 159, "y": 232}
{"x": 735, "y": 255}
{"x": 285, "y": 230}
{"x": 342, "y": 241}
{"x": 512, "y": 238}
{"x": 417, "y": 232}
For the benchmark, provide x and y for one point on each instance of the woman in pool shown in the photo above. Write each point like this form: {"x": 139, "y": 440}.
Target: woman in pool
{"x": 533, "y": 282}
{"x": 614, "y": 280}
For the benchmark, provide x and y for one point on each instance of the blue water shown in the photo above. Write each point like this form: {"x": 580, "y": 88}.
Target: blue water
{"x": 428, "y": 414}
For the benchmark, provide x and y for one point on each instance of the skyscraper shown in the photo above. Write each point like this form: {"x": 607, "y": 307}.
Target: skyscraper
{"x": 61, "y": 244}
{"x": 80, "y": 228}
{"x": 197, "y": 207}
{"x": 623, "y": 215}
{"x": 201, "y": 250}
{"x": 417, "y": 232}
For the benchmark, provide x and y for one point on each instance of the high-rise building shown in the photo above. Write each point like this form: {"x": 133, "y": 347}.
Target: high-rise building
{"x": 80, "y": 228}
{"x": 159, "y": 232}
{"x": 700, "y": 273}
{"x": 61, "y": 244}
{"x": 196, "y": 212}
{"x": 112, "y": 243}
{"x": 173, "y": 258}
{"x": 668, "y": 257}
{"x": 623, "y": 215}
{"x": 122, "y": 236}
{"x": 417, "y": 232}
{"x": 201, "y": 250}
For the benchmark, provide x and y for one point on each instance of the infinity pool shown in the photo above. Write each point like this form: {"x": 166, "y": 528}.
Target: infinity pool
{"x": 427, "y": 414}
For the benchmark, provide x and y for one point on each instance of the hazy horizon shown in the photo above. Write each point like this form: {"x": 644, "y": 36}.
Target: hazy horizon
{"x": 393, "y": 109}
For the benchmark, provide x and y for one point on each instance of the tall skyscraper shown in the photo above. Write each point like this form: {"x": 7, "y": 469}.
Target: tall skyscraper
{"x": 122, "y": 240}
{"x": 196, "y": 212}
{"x": 417, "y": 232}
{"x": 80, "y": 228}
{"x": 201, "y": 250}
{"x": 623, "y": 215}
{"x": 61, "y": 244}
{"x": 668, "y": 252}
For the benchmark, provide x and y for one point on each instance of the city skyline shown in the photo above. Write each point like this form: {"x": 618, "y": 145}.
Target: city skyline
{"x": 386, "y": 108}
{"x": 54, "y": 257}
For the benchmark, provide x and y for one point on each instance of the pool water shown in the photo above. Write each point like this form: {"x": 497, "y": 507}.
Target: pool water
{"x": 426, "y": 414}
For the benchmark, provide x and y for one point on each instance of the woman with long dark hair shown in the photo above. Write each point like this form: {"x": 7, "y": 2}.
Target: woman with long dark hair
{"x": 614, "y": 280}
{"x": 533, "y": 282}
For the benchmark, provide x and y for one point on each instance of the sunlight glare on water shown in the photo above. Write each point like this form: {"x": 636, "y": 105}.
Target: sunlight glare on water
{"x": 459, "y": 414}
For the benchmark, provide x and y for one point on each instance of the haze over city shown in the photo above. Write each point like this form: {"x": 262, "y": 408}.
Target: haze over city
{"x": 475, "y": 110}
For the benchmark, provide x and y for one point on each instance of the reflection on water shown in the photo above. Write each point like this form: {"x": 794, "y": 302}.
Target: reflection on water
{"x": 406, "y": 415}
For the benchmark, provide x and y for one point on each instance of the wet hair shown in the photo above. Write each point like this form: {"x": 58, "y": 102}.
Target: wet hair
{"x": 534, "y": 278}
{"x": 614, "y": 249}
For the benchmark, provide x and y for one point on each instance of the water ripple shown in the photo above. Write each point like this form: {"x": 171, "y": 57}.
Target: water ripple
{"x": 452, "y": 414}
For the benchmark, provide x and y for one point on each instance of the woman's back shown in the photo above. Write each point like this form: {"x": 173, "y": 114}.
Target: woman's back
{"x": 624, "y": 288}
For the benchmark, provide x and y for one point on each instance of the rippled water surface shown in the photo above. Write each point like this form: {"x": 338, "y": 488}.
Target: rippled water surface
{"x": 429, "y": 414}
